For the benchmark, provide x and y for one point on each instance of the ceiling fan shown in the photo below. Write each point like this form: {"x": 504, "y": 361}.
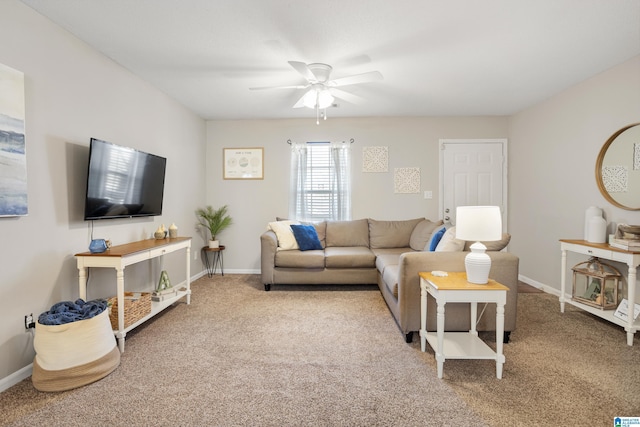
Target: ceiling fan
{"x": 321, "y": 91}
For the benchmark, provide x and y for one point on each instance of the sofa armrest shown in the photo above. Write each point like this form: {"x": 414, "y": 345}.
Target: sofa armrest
{"x": 504, "y": 269}
{"x": 268, "y": 248}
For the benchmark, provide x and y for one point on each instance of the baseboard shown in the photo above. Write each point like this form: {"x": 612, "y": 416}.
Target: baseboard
{"x": 242, "y": 271}
{"x": 538, "y": 285}
{"x": 16, "y": 377}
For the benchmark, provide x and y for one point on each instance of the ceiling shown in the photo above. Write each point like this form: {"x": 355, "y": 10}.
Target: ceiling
{"x": 438, "y": 58}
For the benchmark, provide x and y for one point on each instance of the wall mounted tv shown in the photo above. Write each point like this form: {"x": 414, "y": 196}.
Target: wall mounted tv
{"x": 123, "y": 182}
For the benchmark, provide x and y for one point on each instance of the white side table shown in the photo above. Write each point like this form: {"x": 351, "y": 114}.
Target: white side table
{"x": 461, "y": 345}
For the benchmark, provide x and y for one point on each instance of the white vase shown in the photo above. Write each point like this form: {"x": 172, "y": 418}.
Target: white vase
{"x": 173, "y": 231}
{"x": 597, "y": 230}
{"x": 214, "y": 244}
{"x": 590, "y": 213}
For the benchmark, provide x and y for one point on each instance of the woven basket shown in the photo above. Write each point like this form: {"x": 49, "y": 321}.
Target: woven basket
{"x": 136, "y": 306}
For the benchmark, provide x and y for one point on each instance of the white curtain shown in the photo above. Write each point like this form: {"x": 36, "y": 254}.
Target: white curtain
{"x": 320, "y": 187}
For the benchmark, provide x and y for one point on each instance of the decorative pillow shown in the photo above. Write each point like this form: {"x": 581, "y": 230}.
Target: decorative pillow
{"x": 436, "y": 236}
{"x": 306, "y": 236}
{"x": 286, "y": 239}
{"x": 497, "y": 245}
{"x": 449, "y": 243}
{"x": 421, "y": 234}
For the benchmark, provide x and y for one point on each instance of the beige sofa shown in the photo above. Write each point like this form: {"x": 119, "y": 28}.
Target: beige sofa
{"x": 389, "y": 254}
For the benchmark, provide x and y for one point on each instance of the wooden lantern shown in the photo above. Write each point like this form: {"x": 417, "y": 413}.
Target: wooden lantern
{"x": 597, "y": 284}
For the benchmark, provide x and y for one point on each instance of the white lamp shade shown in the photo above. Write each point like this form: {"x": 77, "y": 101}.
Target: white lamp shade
{"x": 476, "y": 223}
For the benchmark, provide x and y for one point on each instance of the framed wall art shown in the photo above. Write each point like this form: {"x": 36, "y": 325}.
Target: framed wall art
{"x": 13, "y": 157}
{"x": 243, "y": 163}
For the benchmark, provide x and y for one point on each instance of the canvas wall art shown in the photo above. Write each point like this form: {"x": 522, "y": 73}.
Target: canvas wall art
{"x": 13, "y": 156}
{"x": 406, "y": 180}
{"x": 375, "y": 159}
{"x": 615, "y": 178}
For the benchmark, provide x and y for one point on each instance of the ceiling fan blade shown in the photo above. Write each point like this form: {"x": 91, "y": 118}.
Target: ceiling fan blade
{"x": 371, "y": 76}
{"x": 346, "y": 96}
{"x": 300, "y": 102}
{"x": 279, "y": 87}
{"x": 304, "y": 70}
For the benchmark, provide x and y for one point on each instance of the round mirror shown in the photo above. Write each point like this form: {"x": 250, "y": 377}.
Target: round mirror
{"x": 618, "y": 168}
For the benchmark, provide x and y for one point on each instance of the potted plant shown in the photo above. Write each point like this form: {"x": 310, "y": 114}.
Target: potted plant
{"x": 214, "y": 220}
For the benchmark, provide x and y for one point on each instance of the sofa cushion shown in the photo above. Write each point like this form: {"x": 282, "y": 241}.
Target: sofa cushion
{"x": 321, "y": 230}
{"x": 391, "y": 234}
{"x": 307, "y": 237}
{"x": 286, "y": 239}
{"x": 299, "y": 259}
{"x": 497, "y": 245}
{"x": 448, "y": 243}
{"x": 349, "y": 257}
{"x": 383, "y": 261}
{"x": 390, "y": 278}
{"x": 435, "y": 238}
{"x": 348, "y": 233}
{"x": 391, "y": 251}
{"x": 422, "y": 233}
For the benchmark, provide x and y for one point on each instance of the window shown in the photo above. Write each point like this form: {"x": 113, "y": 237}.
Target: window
{"x": 320, "y": 181}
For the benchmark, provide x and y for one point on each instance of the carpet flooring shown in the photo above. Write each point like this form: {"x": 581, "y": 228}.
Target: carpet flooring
{"x": 332, "y": 356}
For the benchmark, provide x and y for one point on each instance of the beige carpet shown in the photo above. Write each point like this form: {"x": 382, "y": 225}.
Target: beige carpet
{"x": 326, "y": 356}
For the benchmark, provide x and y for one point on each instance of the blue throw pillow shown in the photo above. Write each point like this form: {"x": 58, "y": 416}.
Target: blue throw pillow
{"x": 306, "y": 236}
{"x": 436, "y": 238}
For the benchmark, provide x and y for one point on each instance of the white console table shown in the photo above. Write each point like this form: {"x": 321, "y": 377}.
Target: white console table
{"x": 119, "y": 257}
{"x": 604, "y": 251}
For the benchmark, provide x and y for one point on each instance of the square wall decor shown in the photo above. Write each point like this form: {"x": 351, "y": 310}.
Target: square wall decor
{"x": 13, "y": 157}
{"x": 406, "y": 180}
{"x": 375, "y": 159}
{"x": 615, "y": 179}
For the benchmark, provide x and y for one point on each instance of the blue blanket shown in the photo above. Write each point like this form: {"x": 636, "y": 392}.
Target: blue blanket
{"x": 72, "y": 311}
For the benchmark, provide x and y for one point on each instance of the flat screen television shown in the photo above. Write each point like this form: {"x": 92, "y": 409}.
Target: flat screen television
{"x": 123, "y": 182}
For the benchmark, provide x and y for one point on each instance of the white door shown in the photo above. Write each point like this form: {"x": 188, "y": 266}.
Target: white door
{"x": 473, "y": 172}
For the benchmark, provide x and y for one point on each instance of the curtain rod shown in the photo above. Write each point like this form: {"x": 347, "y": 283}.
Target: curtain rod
{"x": 351, "y": 141}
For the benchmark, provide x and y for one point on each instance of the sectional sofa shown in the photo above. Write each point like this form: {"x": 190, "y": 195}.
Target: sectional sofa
{"x": 389, "y": 254}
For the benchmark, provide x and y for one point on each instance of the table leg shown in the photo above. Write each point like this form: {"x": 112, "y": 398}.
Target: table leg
{"x": 631, "y": 298}
{"x": 474, "y": 318}
{"x": 423, "y": 318}
{"x": 188, "y": 278}
{"x": 120, "y": 296}
{"x": 499, "y": 341}
{"x": 563, "y": 278}
{"x": 82, "y": 282}
{"x": 440, "y": 334}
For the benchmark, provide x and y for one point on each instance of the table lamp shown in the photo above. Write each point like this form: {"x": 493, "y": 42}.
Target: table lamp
{"x": 476, "y": 223}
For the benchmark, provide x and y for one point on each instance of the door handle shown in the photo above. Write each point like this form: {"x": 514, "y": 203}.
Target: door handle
{"x": 446, "y": 218}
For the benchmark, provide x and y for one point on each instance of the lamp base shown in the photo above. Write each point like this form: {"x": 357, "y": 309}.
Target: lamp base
{"x": 478, "y": 264}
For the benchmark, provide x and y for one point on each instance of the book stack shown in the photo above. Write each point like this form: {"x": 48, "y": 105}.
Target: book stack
{"x": 163, "y": 294}
{"x": 626, "y": 244}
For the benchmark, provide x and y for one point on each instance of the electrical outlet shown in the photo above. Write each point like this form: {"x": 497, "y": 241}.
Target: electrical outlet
{"x": 195, "y": 255}
{"x": 28, "y": 321}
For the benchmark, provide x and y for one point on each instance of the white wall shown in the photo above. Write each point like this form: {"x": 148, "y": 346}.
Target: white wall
{"x": 412, "y": 142}
{"x": 553, "y": 150}
{"x": 74, "y": 93}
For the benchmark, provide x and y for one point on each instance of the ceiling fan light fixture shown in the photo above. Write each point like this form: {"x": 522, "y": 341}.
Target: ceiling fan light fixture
{"x": 318, "y": 98}
{"x": 325, "y": 99}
